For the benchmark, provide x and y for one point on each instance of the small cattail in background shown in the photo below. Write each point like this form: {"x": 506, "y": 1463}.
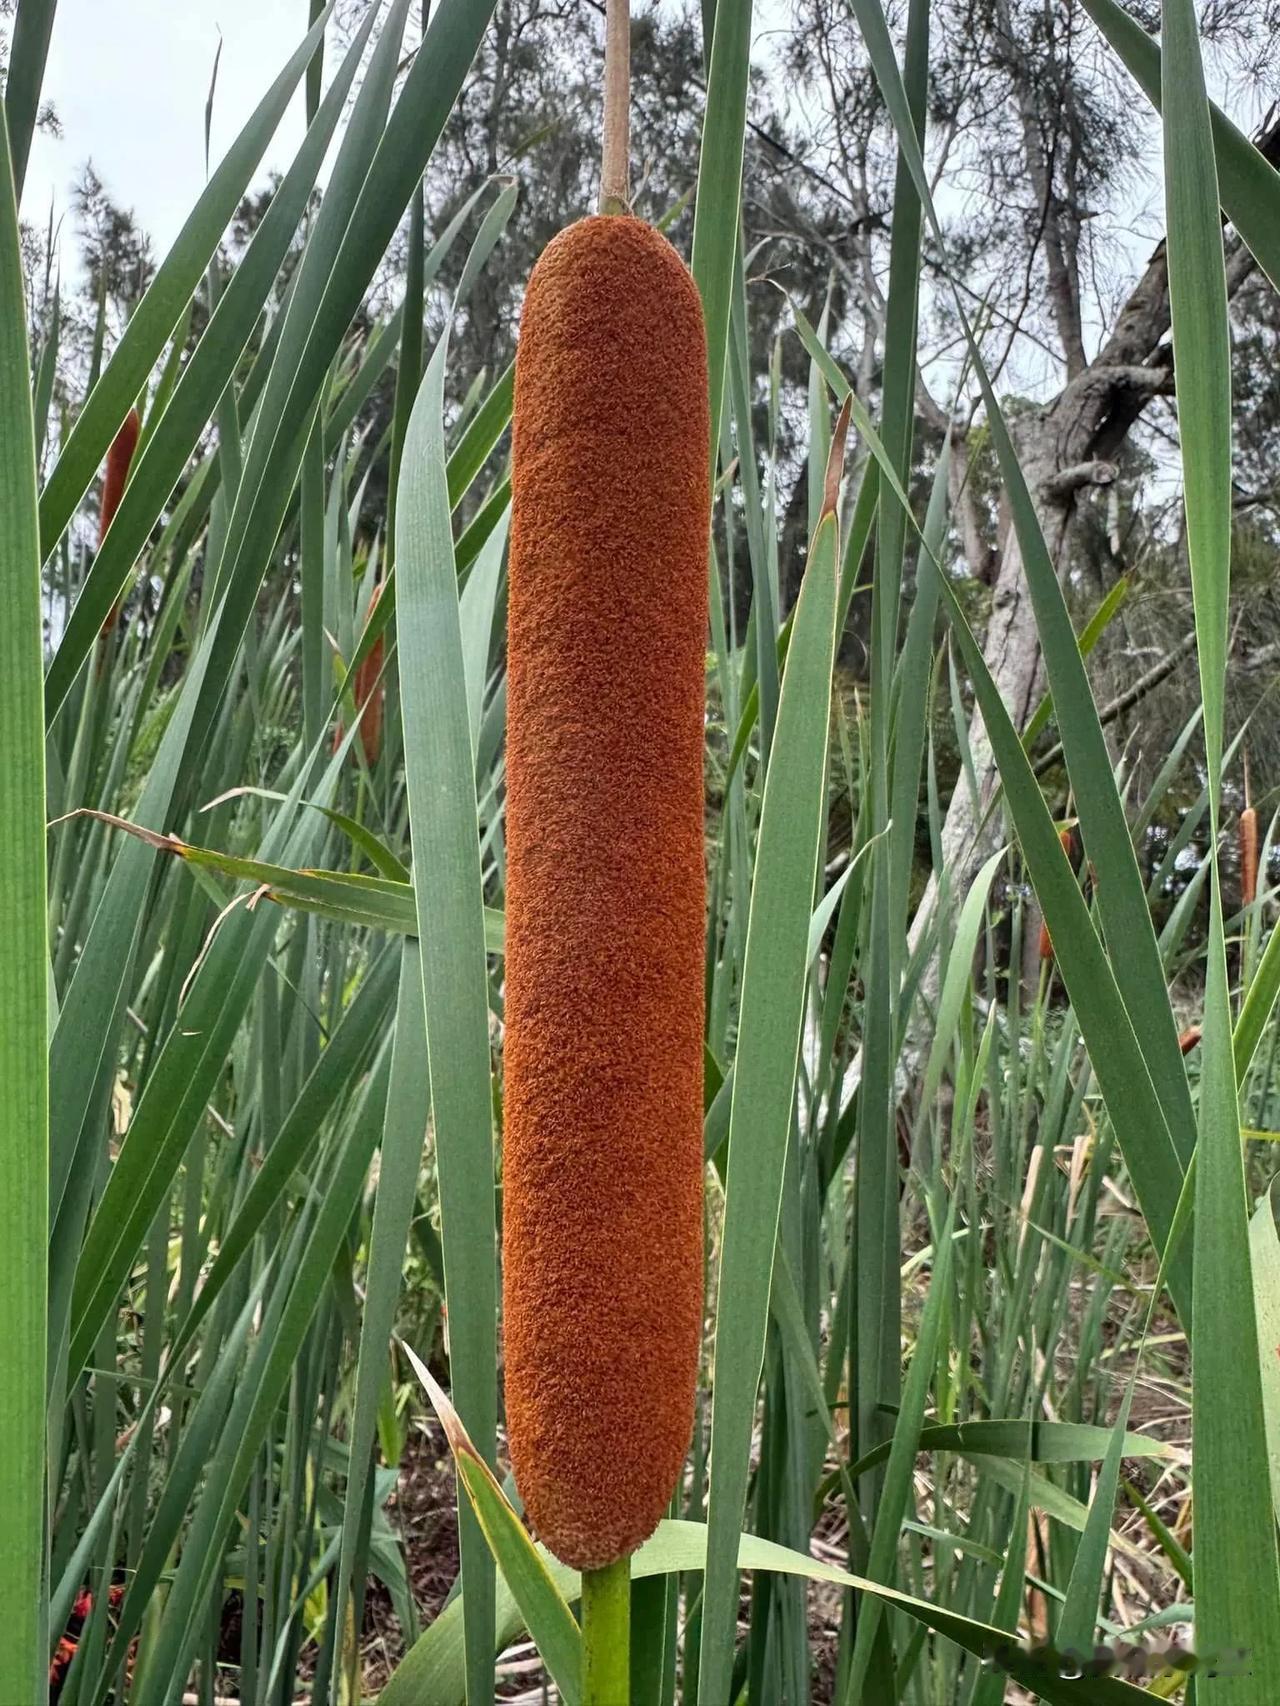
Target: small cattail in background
{"x": 1037, "y": 1605}
{"x": 119, "y": 458}
{"x": 1067, "y": 839}
{"x": 1248, "y": 836}
{"x": 602, "y": 1170}
{"x": 370, "y": 691}
{"x": 1189, "y": 1038}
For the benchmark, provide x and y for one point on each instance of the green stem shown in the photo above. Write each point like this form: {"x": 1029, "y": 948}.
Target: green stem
{"x": 606, "y": 1635}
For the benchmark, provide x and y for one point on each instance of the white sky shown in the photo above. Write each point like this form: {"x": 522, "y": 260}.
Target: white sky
{"x": 129, "y": 79}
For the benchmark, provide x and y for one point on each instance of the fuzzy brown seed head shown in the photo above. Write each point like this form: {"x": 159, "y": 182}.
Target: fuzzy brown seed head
{"x": 115, "y": 475}
{"x": 1248, "y": 833}
{"x": 370, "y": 691}
{"x": 1067, "y": 840}
{"x": 119, "y": 458}
{"x": 602, "y": 1169}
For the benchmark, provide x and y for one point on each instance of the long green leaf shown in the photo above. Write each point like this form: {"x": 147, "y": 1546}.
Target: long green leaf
{"x": 715, "y": 222}
{"x": 32, "y": 30}
{"x": 23, "y": 1040}
{"x": 439, "y": 772}
{"x": 764, "y": 1076}
{"x": 1264, "y": 1250}
{"x": 1237, "y": 1567}
{"x": 407, "y": 1111}
{"x": 1123, "y": 1074}
{"x": 1247, "y": 182}
{"x": 430, "y": 1674}
{"x": 525, "y": 1566}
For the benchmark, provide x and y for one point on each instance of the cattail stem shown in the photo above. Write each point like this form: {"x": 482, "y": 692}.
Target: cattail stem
{"x": 615, "y": 174}
{"x": 606, "y": 1635}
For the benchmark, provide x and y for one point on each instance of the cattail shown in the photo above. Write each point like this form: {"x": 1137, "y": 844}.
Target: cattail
{"x": 370, "y": 692}
{"x": 1247, "y": 830}
{"x": 1046, "y": 941}
{"x": 602, "y": 1171}
{"x": 119, "y": 458}
{"x": 1189, "y": 1038}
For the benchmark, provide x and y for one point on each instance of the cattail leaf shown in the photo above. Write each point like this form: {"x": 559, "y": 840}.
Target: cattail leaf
{"x": 1248, "y": 183}
{"x": 764, "y": 1073}
{"x": 335, "y": 267}
{"x": 1113, "y": 1047}
{"x": 382, "y": 160}
{"x": 381, "y": 903}
{"x": 1108, "y": 607}
{"x": 440, "y": 778}
{"x": 1079, "y": 1613}
{"x": 349, "y": 1047}
{"x": 483, "y": 432}
{"x": 906, "y": 1442}
{"x": 32, "y": 30}
{"x": 199, "y": 1440}
{"x": 430, "y": 1673}
{"x": 1264, "y": 1249}
{"x": 1039, "y": 1442}
{"x": 92, "y": 1003}
{"x": 178, "y": 1088}
{"x": 24, "y": 1137}
{"x": 256, "y": 1398}
{"x": 476, "y": 609}
{"x": 1237, "y": 1566}
{"x": 1121, "y": 1062}
{"x": 719, "y": 193}
{"x": 407, "y": 1110}
{"x": 1008, "y": 1607}
{"x": 46, "y": 370}
{"x": 955, "y": 985}
{"x": 528, "y": 1570}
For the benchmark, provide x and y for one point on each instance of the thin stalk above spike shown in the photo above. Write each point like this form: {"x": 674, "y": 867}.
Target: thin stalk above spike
{"x": 615, "y": 174}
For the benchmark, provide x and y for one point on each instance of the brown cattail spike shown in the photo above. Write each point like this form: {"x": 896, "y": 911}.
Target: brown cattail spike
{"x": 1248, "y": 833}
{"x": 602, "y": 1170}
{"x": 369, "y": 691}
{"x": 1067, "y": 839}
{"x": 119, "y": 459}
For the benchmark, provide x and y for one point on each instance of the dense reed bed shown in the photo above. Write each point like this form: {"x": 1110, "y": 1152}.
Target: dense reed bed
{"x": 526, "y": 1092}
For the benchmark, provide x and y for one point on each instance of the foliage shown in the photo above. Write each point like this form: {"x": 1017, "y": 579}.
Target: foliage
{"x": 964, "y": 1380}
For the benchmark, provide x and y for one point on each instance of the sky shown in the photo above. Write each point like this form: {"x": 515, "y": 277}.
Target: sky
{"x": 129, "y": 80}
